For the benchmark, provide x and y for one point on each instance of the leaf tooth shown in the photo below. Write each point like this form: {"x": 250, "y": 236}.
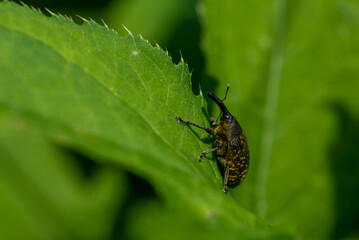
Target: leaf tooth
{"x": 200, "y": 90}
{"x": 182, "y": 61}
{"x": 34, "y": 9}
{"x": 93, "y": 21}
{"x": 61, "y": 15}
{"x": 128, "y": 31}
{"x": 68, "y": 17}
{"x": 158, "y": 46}
{"x": 39, "y": 10}
{"x": 24, "y": 4}
{"x": 83, "y": 19}
{"x": 50, "y": 12}
{"x": 168, "y": 54}
{"x": 105, "y": 25}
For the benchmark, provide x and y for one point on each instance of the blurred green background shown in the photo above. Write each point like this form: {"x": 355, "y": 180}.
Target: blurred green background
{"x": 293, "y": 67}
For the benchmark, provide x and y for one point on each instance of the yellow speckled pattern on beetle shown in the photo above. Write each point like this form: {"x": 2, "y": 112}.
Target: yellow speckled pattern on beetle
{"x": 233, "y": 151}
{"x": 231, "y": 145}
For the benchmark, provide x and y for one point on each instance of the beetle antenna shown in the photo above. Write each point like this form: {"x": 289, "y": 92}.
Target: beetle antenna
{"x": 225, "y": 96}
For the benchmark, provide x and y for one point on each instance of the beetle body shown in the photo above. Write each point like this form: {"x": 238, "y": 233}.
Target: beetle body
{"x": 233, "y": 151}
{"x": 231, "y": 145}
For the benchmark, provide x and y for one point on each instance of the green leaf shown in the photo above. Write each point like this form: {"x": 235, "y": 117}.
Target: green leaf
{"x": 287, "y": 63}
{"x": 115, "y": 99}
{"x": 42, "y": 195}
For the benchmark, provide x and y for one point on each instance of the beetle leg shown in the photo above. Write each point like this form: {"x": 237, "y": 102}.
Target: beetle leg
{"x": 226, "y": 178}
{"x": 209, "y": 130}
{"x": 206, "y": 152}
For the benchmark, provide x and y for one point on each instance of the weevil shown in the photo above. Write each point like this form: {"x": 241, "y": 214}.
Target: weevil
{"x": 231, "y": 145}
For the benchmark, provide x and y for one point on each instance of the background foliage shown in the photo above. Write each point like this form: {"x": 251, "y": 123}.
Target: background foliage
{"x": 90, "y": 148}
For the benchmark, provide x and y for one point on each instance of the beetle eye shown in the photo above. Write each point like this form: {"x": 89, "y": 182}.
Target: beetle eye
{"x": 226, "y": 116}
